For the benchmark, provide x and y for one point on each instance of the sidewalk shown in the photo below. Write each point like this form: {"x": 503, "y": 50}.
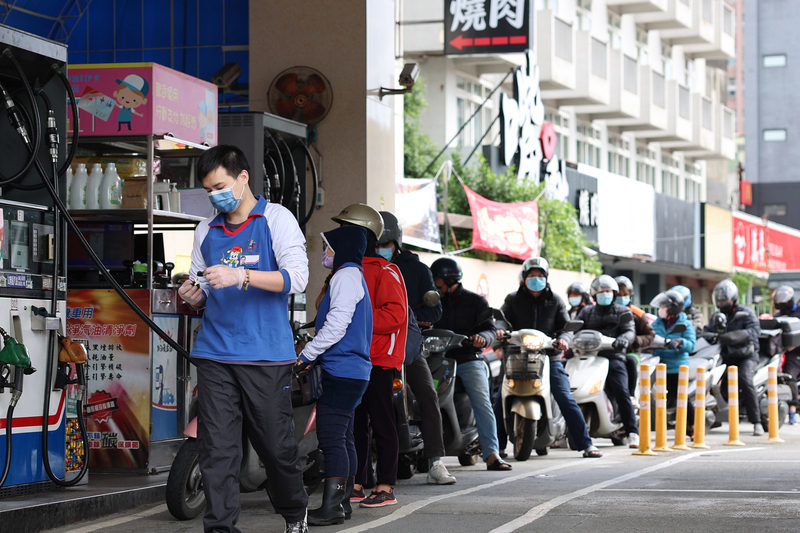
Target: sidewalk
{"x": 104, "y": 494}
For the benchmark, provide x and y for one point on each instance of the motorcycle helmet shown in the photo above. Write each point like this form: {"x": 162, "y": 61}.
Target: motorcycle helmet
{"x": 687, "y": 294}
{"x": 603, "y": 283}
{"x": 539, "y": 263}
{"x": 783, "y": 298}
{"x": 392, "y": 230}
{"x": 580, "y": 288}
{"x": 726, "y": 295}
{"x": 672, "y": 300}
{"x": 448, "y": 270}
{"x": 361, "y": 215}
{"x": 624, "y": 281}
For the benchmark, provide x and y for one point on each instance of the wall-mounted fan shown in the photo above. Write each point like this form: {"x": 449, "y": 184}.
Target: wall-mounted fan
{"x": 302, "y": 94}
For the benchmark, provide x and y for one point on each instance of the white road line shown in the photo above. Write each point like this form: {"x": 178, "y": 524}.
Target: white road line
{"x": 721, "y": 491}
{"x": 715, "y": 461}
{"x": 544, "y": 508}
{"x": 122, "y": 520}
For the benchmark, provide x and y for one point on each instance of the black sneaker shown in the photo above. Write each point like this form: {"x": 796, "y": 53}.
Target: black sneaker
{"x": 358, "y": 495}
{"x": 379, "y": 499}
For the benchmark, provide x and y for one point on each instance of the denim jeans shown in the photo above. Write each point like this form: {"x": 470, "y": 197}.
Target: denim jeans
{"x": 473, "y": 377}
{"x": 559, "y": 388}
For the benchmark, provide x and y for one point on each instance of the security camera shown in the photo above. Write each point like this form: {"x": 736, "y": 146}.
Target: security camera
{"x": 227, "y": 75}
{"x": 409, "y": 75}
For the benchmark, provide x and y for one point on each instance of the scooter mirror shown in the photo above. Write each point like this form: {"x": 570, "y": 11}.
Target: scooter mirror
{"x": 497, "y": 314}
{"x": 431, "y": 298}
{"x": 741, "y": 315}
{"x": 573, "y": 326}
{"x": 678, "y": 328}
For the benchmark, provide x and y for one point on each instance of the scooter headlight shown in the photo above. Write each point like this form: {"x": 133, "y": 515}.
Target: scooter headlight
{"x": 532, "y": 342}
{"x": 436, "y": 344}
{"x": 586, "y": 341}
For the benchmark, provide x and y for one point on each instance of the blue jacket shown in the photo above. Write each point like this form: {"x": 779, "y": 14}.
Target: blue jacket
{"x": 675, "y": 358}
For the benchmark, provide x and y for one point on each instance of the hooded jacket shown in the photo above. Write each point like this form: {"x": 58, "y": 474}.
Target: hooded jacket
{"x": 604, "y": 318}
{"x": 675, "y": 358}
{"x": 644, "y": 331}
{"x": 547, "y": 313}
{"x": 460, "y": 312}
{"x": 418, "y": 280}
{"x": 750, "y": 329}
{"x": 387, "y": 292}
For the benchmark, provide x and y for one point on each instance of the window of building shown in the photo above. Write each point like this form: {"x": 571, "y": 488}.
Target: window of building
{"x": 552, "y": 5}
{"x": 619, "y": 160}
{"x": 646, "y": 166}
{"x": 469, "y": 95}
{"x": 774, "y": 135}
{"x": 689, "y": 73}
{"x": 614, "y": 31}
{"x": 641, "y": 47}
{"x": 583, "y": 15}
{"x": 588, "y": 145}
{"x": 775, "y": 210}
{"x": 731, "y": 86}
{"x": 772, "y": 61}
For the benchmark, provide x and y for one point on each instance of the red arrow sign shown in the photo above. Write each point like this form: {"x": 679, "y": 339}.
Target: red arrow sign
{"x": 460, "y": 42}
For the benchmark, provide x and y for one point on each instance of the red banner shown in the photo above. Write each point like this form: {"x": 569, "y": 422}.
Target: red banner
{"x": 752, "y": 239}
{"x": 746, "y": 193}
{"x": 509, "y": 229}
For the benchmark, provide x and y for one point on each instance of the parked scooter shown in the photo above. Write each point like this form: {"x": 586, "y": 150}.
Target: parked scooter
{"x": 533, "y": 420}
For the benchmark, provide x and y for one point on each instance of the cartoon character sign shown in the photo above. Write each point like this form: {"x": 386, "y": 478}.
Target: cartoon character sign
{"x": 233, "y": 257}
{"x": 130, "y": 94}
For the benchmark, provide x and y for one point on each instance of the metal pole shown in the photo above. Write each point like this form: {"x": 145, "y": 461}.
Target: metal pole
{"x": 446, "y": 178}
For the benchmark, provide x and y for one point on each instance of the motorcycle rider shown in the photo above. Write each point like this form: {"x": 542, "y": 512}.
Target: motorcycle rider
{"x": 739, "y": 346}
{"x": 694, "y": 314}
{"x": 604, "y": 317}
{"x": 419, "y": 280}
{"x": 784, "y": 302}
{"x": 460, "y": 312}
{"x": 535, "y": 306}
{"x": 578, "y": 297}
{"x": 644, "y": 331}
{"x": 676, "y": 350}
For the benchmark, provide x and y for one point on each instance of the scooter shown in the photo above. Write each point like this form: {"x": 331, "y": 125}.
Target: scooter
{"x": 533, "y": 420}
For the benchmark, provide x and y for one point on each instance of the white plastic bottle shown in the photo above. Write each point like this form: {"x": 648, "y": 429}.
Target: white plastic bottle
{"x": 69, "y": 185}
{"x": 111, "y": 188}
{"x": 93, "y": 187}
{"x": 77, "y": 192}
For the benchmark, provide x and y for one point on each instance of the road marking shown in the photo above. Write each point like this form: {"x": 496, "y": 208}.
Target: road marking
{"x": 122, "y": 520}
{"x": 544, "y": 508}
{"x": 721, "y": 491}
{"x": 743, "y": 461}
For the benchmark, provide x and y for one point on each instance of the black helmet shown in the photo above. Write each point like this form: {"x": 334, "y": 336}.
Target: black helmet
{"x": 672, "y": 300}
{"x": 604, "y": 282}
{"x": 783, "y": 298}
{"x": 726, "y": 291}
{"x": 392, "y": 230}
{"x": 539, "y": 263}
{"x": 580, "y": 288}
{"x": 626, "y": 282}
{"x": 448, "y": 269}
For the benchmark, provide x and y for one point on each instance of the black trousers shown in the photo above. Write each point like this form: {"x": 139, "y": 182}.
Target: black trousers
{"x": 672, "y": 401}
{"x": 791, "y": 366}
{"x": 377, "y": 410}
{"x": 420, "y": 380}
{"x": 255, "y": 399}
{"x": 747, "y": 391}
{"x": 617, "y": 388}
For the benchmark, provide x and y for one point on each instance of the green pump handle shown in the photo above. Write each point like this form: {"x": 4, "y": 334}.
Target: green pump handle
{"x": 14, "y": 353}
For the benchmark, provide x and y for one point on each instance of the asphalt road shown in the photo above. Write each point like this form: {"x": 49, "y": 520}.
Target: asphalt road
{"x": 755, "y": 488}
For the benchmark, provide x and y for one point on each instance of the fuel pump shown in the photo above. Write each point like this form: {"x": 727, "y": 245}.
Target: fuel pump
{"x": 13, "y": 355}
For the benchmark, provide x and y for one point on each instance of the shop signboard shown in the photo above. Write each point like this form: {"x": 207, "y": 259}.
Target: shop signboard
{"x": 716, "y": 237}
{"x": 487, "y": 26}
{"x": 416, "y": 207}
{"x": 117, "y": 405}
{"x": 756, "y": 243}
{"x": 165, "y": 380}
{"x": 509, "y": 229}
{"x": 675, "y": 232}
{"x": 583, "y": 196}
{"x": 143, "y": 98}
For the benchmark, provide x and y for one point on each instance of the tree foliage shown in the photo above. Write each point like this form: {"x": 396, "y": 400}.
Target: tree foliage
{"x": 419, "y": 149}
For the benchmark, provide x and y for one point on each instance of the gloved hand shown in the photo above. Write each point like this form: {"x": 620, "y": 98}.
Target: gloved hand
{"x": 221, "y": 276}
{"x": 620, "y": 344}
{"x": 191, "y": 294}
{"x": 674, "y": 344}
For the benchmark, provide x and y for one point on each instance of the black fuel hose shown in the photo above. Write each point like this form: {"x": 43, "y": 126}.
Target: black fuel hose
{"x": 36, "y": 137}
{"x": 282, "y": 176}
{"x": 274, "y": 166}
{"x": 74, "y": 105}
{"x": 295, "y": 184}
{"x": 9, "y": 441}
{"x": 316, "y": 182}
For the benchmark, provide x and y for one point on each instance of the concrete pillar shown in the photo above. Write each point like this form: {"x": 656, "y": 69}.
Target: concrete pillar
{"x": 353, "y": 45}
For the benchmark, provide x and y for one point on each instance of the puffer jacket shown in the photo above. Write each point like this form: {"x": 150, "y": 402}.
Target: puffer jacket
{"x": 419, "y": 280}
{"x": 751, "y": 328}
{"x": 675, "y": 358}
{"x": 604, "y": 318}
{"x": 547, "y": 313}
{"x": 460, "y": 312}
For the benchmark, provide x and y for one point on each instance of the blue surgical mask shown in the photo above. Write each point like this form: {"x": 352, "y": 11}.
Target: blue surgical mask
{"x": 224, "y": 201}
{"x": 604, "y": 298}
{"x": 536, "y": 284}
{"x": 624, "y": 300}
{"x": 575, "y": 301}
{"x": 386, "y": 253}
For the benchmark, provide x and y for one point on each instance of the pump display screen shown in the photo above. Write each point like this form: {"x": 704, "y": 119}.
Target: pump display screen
{"x": 20, "y": 249}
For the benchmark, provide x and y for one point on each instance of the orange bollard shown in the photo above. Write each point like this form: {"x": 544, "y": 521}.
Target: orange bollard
{"x": 700, "y": 411}
{"x": 661, "y": 409}
{"x": 680, "y": 411}
{"x": 644, "y": 412}
{"x": 772, "y": 397}
{"x": 733, "y": 407}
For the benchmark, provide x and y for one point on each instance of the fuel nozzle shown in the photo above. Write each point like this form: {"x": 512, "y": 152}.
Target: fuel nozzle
{"x": 14, "y": 116}
{"x": 71, "y": 352}
{"x": 16, "y": 355}
{"x": 52, "y": 135}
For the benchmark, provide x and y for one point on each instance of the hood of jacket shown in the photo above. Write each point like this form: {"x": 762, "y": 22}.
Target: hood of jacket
{"x": 349, "y": 244}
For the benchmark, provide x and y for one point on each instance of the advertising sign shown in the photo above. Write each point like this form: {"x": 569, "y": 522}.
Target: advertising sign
{"x": 416, "y": 208}
{"x": 675, "y": 231}
{"x": 509, "y": 229}
{"x": 754, "y": 242}
{"x": 487, "y": 26}
{"x": 144, "y": 98}
{"x": 117, "y": 406}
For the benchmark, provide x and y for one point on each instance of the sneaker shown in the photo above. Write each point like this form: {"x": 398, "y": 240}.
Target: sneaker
{"x": 438, "y": 475}
{"x": 633, "y": 440}
{"x": 358, "y": 495}
{"x": 297, "y": 527}
{"x": 758, "y": 431}
{"x": 792, "y": 418}
{"x": 379, "y": 499}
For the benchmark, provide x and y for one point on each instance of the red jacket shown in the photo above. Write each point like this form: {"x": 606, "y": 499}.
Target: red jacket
{"x": 387, "y": 293}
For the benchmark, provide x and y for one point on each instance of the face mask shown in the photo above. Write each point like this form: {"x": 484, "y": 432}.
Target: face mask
{"x": 575, "y": 301}
{"x": 536, "y": 284}
{"x": 604, "y": 298}
{"x": 624, "y": 300}
{"x": 386, "y": 253}
{"x": 326, "y": 260}
{"x": 224, "y": 201}
{"x": 663, "y": 313}
{"x": 726, "y": 308}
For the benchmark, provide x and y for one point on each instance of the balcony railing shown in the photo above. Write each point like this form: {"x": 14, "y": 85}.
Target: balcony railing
{"x": 684, "y": 102}
{"x": 708, "y": 114}
{"x": 727, "y": 123}
{"x": 659, "y": 98}
{"x": 708, "y": 10}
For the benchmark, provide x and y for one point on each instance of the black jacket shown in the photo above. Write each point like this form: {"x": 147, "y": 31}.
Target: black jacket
{"x": 795, "y": 312}
{"x": 460, "y": 311}
{"x": 604, "y": 318}
{"x": 750, "y": 325}
{"x": 419, "y": 280}
{"x": 547, "y": 313}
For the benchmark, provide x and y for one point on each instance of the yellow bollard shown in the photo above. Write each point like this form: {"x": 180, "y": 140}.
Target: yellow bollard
{"x": 772, "y": 396}
{"x": 644, "y": 412}
{"x": 700, "y": 411}
{"x": 661, "y": 409}
{"x": 733, "y": 407}
{"x": 680, "y": 411}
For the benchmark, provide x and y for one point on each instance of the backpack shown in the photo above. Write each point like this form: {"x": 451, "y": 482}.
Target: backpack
{"x": 413, "y": 339}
